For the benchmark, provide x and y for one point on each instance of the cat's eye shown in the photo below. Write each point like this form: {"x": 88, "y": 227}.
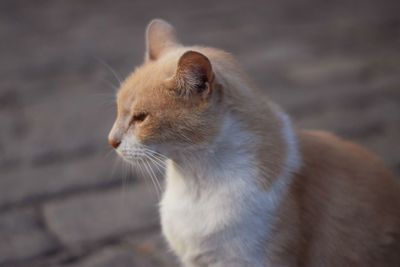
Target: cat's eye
{"x": 139, "y": 117}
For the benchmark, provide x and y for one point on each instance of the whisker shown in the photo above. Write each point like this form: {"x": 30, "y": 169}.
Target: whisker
{"x": 160, "y": 161}
{"x": 114, "y": 73}
{"x": 108, "y": 153}
{"x": 143, "y": 175}
{"x": 157, "y": 168}
{"x": 124, "y": 184}
{"x": 156, "y": 160}
{"x": 139, "y": 166}
{"x": 157, "y": 165}
{"x": 146, "y": 148}
{"x": 155, "y": 186}
{"x": 125, "y": 174}
{"x": 115, "y": 87}
{"x": 153, "y": 175}
{"x": 116, "y": 162}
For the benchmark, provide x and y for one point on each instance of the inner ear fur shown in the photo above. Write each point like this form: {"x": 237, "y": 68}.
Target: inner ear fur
{"x": 160, "y": 35}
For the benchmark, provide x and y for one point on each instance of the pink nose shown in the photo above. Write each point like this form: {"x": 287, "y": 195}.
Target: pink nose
{"x": 114, "y": 142}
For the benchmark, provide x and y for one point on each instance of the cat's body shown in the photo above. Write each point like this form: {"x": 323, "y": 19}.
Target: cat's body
{"x": 243, "y": 188}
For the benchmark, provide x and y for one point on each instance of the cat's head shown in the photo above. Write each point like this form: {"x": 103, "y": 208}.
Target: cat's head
{"x": 171, "y": 103}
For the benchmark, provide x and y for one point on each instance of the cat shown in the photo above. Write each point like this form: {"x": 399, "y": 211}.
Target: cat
{"x": 243, "y": 186}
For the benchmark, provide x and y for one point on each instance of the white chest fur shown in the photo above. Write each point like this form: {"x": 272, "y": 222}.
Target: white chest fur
{"x": 220, "y": 224}
{"x": 214, "y": 213}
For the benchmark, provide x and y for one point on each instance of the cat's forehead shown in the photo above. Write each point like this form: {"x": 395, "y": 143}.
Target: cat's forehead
{"x": 148, "y": 76}
{"x": 144, "y": 83}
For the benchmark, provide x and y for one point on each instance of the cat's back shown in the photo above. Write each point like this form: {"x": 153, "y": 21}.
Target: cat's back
{"x": 349, "y": 205}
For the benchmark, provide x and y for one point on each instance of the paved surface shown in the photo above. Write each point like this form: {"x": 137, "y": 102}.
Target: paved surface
{"x": 63, "y": 201}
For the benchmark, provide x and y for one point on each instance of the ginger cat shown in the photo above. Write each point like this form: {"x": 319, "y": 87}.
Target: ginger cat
{"x": 243, "y": 187}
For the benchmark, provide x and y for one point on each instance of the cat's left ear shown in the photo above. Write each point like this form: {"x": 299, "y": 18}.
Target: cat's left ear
{"x": 160, "y": 35}
{"x": 194, "y": 74}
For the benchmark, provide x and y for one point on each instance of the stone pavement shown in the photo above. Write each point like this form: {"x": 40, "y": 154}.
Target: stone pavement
{"x": 63, "y": 199}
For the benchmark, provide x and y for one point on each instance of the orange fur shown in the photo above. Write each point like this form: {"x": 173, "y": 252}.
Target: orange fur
{"x": 343, "y": 208}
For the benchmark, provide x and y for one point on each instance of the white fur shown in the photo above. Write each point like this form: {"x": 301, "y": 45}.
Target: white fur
{"x": 213, "y": 212}
{"x": 293, "y": 159}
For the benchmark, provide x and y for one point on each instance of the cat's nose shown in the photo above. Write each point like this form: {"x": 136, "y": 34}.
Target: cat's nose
{"x": 114, "y": 142}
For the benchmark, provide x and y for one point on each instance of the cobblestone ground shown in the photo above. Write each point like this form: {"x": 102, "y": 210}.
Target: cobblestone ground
{"x": 64, "y": 201}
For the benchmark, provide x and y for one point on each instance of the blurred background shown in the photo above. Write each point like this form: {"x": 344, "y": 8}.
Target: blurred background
{"x": 64, "y": 201}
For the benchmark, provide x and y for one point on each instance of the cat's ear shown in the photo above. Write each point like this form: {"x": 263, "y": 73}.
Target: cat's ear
{"x": 194, "y": 74}
{"x": 160, "y": 35}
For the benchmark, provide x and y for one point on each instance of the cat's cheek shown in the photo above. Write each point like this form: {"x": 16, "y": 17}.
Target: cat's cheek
{"x": 144, "y": 133}
{"x": 153, "y": 132}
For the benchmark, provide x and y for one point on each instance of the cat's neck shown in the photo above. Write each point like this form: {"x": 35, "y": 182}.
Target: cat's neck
{"x": 233, "y": 151}
{"x": 232, "y": 145}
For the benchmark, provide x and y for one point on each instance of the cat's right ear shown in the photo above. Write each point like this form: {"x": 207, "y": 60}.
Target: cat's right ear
{"x": 160, "y": 36}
